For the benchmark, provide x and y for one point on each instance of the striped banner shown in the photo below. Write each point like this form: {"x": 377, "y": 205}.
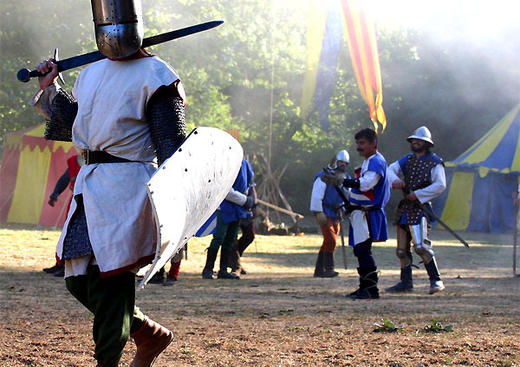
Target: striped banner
{"x": 327, "y": 66}
{"x": 317, "y": 18}
{"x": 364, "y": 55}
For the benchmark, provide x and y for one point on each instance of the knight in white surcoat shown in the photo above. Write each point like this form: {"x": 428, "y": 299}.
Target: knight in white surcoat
{"x": 124, "y": 112}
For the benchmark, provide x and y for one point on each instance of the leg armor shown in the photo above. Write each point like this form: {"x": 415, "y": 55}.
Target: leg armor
{"x": 403, "y": 252}
{"x": 436, "y": 284}
{"x": 422, "y": 244}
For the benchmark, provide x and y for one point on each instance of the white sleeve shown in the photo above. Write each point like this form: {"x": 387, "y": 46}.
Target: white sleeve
{"x": 346, "y": 192}
{"x": 437, "y": 186}
{"x": 318, "y": 193}
{"x": 368, "y": 180}
{"x": 42, "y": 100}
{"x": 236, "y": 197}
{"x": 394, "y": 172}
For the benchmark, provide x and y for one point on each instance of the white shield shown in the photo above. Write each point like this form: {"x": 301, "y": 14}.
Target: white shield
{"x": 188, "y": 187}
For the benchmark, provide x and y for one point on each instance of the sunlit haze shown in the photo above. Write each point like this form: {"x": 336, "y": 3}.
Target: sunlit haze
{"x": 482, "y": 18}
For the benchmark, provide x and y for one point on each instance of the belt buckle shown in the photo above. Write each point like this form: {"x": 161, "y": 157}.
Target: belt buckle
{"x": 85, "y": 156}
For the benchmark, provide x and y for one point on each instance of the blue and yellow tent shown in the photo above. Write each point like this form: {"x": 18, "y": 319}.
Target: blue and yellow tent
{"x": 482, "y": 179}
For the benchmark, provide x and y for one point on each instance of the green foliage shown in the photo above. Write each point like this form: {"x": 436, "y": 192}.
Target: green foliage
{"x": 248, "y": 74}
{"x": 29, "y": 32}
{"x": 386, "y": 327}
{"x": 437, "y": 327}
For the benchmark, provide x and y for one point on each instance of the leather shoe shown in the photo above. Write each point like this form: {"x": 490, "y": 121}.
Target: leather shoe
{"x": 151, "y": 339}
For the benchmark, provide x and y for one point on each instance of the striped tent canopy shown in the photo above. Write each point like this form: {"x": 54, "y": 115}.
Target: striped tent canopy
{"x": 481, "y": 181}
{"x": 29, "y": 171}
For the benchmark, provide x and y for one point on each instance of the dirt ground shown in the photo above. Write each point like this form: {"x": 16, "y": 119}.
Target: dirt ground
{"x": 278, "y": 314}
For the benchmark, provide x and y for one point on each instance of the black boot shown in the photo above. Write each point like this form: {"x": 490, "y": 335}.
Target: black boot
{"x": 234, "y": 261}
{"x": 207, "y": 272}
{"x": 52, "y": 269}
{"x": 223, "y": 273}
{"x": 367, "y": 284}
{"x": 406, "y": 283}
{"x": 241, "y": 247}
{"x": 60, "y": 272}
{"x": 318, "y": 269}
{"x": 328, "y": 265}
{"x": 157, "y": 278}
{"x": 436, "y": 284}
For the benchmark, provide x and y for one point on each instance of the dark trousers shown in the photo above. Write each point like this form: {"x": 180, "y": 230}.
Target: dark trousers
{"x": 363, "y": 252}
{"x": 225, "y": 234}
{"x": 247, "y": 226}
{"x": 112, "y": 301}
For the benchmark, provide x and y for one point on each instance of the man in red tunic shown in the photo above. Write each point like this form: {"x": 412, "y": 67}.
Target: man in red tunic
{"x": 68, "y": 178}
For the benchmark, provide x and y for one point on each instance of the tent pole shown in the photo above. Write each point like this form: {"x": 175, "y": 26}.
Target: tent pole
{"x": 515, "y": 238}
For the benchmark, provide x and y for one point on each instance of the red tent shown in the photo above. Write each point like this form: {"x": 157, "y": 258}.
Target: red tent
{"x": 29, "y": 171}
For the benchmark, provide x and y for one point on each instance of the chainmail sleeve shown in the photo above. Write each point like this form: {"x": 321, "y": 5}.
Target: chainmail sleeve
{"x": 166, "y": 118}
{"x": 62, "y": 114}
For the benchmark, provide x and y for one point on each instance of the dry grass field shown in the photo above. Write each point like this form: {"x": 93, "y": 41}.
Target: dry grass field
{"x": 278, "y": 314}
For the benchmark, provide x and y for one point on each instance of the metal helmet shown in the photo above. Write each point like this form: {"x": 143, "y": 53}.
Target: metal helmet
{"x": 119, "y": 27}
{"x": 343, "y": 156}
{"x": 421, "y": 133}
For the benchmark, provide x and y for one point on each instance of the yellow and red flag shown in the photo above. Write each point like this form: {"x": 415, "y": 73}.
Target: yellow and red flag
{"x": 362, "y": 43}
{"x": 317, "y": 18}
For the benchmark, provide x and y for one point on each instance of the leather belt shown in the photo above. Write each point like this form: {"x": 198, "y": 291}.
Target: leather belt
{"x": 100, "y": 156}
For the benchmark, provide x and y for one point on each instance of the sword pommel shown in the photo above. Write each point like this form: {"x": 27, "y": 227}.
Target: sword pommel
{"x": 24, "y": 75}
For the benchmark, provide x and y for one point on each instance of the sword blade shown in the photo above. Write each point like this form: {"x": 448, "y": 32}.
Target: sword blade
{"x": 344, "y": 251}
{"x": 80, "y": 60}
{"x": 179, "y": 33}
{"x": 432, "y": 214}
{"x": 24, "y": 75}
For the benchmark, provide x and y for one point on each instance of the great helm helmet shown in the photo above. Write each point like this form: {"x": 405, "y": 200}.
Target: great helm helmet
{"x": 119, "y": 27}
{"x": 343, "y": 156}
{"x": 421, "y": 133}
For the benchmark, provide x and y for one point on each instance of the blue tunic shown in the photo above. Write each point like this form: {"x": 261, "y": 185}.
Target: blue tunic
{"x": 232, "y": 212}
{"x": 377, "y": 197}
{"x": 331, "y": 200}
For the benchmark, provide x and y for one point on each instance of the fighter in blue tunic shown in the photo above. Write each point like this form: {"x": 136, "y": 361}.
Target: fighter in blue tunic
{"x": 237, "y": 205}
{"x": 326, "y": 202}
{"x": 420, "y": 175}
{"x": 369, "y": 194}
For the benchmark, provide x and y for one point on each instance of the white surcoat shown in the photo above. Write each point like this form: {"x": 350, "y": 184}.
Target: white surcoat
{"x": 112, "y": 98}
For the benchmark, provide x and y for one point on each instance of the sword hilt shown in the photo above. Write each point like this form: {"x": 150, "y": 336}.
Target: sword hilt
{"x": 24, "y": 75}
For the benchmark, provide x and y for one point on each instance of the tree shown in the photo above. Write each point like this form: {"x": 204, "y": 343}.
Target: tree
{"x": 248, "y": 74}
